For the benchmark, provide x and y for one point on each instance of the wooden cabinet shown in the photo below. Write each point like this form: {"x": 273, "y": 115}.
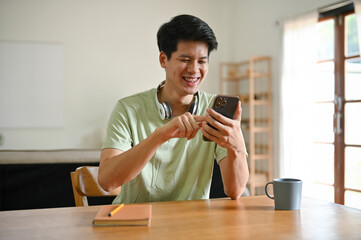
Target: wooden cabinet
{"x": 251, "y": 81}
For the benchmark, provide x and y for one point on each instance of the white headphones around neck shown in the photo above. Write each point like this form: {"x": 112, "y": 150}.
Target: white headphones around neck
{"x": 164, "y": 109}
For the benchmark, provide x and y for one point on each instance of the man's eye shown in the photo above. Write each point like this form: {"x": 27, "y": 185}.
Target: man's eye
{"x": 184, "y": 60}
{"x": 202, "y": 62}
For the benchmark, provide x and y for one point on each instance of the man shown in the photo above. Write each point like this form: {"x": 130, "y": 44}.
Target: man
{"x": 154, "y": 147}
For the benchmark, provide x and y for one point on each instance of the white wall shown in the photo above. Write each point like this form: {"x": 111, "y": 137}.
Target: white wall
{"x": 111, "y": 52}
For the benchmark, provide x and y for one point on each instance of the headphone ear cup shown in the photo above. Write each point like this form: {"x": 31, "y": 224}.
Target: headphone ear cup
{"x": 167, "y": 109}
{"x": 161, "y": 111}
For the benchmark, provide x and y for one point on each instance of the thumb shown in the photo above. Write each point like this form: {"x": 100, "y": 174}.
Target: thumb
{"x": 238, "y": 113}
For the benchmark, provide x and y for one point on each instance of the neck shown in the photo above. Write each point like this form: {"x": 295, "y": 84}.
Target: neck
{"x": 179, "y": 104}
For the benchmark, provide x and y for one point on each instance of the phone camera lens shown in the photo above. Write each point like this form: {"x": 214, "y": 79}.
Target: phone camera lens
{"x": 220, "y": 102}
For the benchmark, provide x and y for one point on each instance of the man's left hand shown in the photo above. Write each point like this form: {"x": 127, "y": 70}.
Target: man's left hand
{"x": 228, "y": 131}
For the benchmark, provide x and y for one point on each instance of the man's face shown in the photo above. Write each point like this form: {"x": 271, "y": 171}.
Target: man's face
{"x": 187, "y": 67}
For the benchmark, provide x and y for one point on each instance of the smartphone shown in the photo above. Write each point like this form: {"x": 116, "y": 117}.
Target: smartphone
{"x": 225, "y": 105}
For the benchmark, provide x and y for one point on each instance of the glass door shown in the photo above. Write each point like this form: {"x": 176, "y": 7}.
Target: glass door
{"x": 337, "y": 98}
{"x": 352, "y": 114}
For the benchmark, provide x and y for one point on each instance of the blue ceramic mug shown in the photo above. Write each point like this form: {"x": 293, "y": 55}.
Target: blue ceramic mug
{"x": 287, "y": 193}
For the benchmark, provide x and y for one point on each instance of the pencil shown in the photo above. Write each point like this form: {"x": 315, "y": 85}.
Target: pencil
{"x": 115, "y": 210}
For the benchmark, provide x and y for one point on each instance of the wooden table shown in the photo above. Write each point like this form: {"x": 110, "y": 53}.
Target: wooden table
{"x": 246, "y": 218}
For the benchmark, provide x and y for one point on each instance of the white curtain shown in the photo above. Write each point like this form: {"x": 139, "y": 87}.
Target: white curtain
{"x": 357, "y": 4}
{"x": 298, "y": 72}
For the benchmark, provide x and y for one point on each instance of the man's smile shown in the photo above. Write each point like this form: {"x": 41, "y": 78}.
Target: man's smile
{"x": 191, "y": 79}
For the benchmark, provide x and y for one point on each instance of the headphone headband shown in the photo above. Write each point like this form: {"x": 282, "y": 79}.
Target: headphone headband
{"x": 164, "y": 109}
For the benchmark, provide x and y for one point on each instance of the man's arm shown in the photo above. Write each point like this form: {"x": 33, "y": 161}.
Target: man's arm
{"x": 117, "y": 167}
{"x": 234, "y": 167}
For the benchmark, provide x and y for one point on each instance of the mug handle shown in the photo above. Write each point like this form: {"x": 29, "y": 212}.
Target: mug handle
{"x": 267, "y": 191}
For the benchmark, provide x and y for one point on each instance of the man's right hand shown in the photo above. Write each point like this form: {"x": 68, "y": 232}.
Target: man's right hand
{"x": 183, "y": 126}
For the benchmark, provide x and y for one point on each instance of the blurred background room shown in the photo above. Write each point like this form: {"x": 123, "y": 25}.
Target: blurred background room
{"x": 64, "y": 64}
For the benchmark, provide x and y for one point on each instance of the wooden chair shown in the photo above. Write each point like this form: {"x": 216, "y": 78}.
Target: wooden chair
{"x": 85, "y": 184}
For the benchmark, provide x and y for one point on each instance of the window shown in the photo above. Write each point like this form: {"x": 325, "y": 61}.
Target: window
{"x": 338, "y": 107}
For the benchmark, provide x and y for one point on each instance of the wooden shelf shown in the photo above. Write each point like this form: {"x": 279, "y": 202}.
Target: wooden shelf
{"x": 261, "y": 129}
{"x": 259, "y": 98}
{"x": 244, "y": 76}
{"x": 253, "y": 77}
{"x": 260, "y": 102}
{"x": 260, "y": 179}
{"x": 259, "y": 122}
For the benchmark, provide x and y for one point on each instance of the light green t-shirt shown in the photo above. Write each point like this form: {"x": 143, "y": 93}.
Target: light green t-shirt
{"x": 181, "y": 169}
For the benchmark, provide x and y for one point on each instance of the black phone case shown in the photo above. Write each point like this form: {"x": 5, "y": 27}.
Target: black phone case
{"x": 225, "y": 105}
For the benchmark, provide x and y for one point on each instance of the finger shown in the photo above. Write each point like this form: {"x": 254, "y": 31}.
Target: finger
{"x": 224, "y": 120}
{"x": 181, "y": 128}
{"x": 216, "y": 136}
{"x": 215, "y": 124}
{"x": 199, "y": 119}
{"x": 238, "y": 113}
{"x": 210, "y": 130}
{"x": 195, "y": 127}
{"x": 186, "y": 125}
{"x": 190, "y": 125}
{"x": 207, "y": 132}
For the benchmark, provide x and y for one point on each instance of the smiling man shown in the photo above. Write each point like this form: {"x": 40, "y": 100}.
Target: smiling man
{"x": 154, "y": 147}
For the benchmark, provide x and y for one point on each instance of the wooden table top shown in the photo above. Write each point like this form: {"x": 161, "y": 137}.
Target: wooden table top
{"x": 246, "y": 218}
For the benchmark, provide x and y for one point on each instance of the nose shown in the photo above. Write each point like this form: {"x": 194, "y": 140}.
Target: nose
{"x": 193, "y": 67}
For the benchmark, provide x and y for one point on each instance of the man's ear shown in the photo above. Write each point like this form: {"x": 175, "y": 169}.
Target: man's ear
{"x": 163, "y": 59}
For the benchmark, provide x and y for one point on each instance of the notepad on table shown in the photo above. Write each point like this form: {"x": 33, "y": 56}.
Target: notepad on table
{"x": 128, "y": 215}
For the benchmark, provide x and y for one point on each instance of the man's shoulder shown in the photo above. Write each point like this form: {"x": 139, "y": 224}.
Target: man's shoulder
{"x": 138, "y": 97}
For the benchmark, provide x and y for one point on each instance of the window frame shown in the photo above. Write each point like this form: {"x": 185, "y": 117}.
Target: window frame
{"x": 339, "y": 15}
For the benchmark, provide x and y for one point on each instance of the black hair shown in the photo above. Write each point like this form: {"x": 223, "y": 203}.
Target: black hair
{"x": 184, "y": 28}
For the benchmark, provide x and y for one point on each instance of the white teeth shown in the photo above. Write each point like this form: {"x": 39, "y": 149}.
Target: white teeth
{"x": 191, "y": 80}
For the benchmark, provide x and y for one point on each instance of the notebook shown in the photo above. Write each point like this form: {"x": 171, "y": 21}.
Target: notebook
{"x": 128, "y": 215}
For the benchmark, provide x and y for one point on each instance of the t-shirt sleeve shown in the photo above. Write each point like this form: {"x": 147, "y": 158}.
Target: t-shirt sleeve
{"x": 118, "y": 131}
{"x": 220, "y": 153}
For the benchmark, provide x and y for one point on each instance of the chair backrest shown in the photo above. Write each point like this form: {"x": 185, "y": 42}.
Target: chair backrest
{"x": 85, "y": 184}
